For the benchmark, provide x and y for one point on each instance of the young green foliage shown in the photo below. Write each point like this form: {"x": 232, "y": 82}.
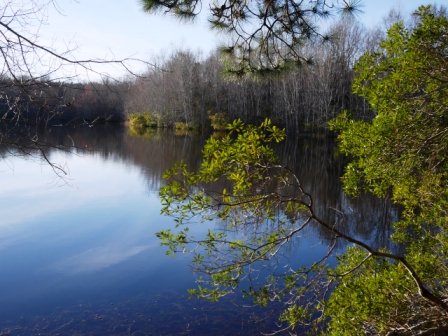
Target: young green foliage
{"x": 256, "y": 188}
{"x": 262, "y": 207}
{"x": 400, "y": 154}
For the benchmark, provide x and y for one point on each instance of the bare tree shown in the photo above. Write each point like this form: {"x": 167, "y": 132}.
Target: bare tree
{"x": 34, "y": 77}
{"x": 305, "y": 99}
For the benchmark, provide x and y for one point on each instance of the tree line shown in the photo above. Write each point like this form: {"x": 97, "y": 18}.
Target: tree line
{"x": 185, "y": 87}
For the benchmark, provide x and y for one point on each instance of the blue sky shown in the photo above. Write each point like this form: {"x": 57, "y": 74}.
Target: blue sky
{"x": 118, "y": 28}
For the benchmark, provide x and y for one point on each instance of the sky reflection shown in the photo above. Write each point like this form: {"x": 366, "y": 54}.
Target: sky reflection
{"x": 89, "y": 239}
{"x": 89, "y": 235}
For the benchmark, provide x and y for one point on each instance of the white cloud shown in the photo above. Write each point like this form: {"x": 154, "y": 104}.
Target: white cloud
{"x": 97, "y": 258}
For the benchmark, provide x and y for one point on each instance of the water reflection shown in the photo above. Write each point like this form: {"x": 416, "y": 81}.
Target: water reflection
{"x": 85, "y": 238}
{"x": 319, "y": 168}
{"x": 86, "y": 243}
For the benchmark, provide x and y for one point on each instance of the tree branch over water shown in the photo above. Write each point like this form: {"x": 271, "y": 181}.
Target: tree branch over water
{"x": 266, "y": 36}
{"x": 263, "y": 211}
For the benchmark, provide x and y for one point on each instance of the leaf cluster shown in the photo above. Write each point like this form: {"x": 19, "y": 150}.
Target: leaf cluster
{"x": 400, "y": 154}
{"x": 254, "y": 232}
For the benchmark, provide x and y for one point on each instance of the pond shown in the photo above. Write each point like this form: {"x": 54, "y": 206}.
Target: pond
{"x": 79, "y": 255}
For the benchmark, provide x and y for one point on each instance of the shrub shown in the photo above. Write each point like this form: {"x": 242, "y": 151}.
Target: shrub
{"x": 180, "y": 126}
{"x": 144, "y": 119}
{"x": 219, "y": 121}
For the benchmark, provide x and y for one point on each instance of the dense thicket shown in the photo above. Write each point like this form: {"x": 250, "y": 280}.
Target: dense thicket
{"x": 186, "y": 88}
{"x": 96, "y": 101}
{"x": 75, "y": 102}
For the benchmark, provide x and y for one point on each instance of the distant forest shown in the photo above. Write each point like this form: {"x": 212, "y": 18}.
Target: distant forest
{"x": 186, "y": 87}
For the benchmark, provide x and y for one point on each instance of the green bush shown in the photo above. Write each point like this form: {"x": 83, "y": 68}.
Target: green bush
{"x": 180, "y": 126}
{"x": 145, "y": 119}
{"x": 150, "y": 120}
{"x": 219, "y": 121}
{"x": 136, "y": 119}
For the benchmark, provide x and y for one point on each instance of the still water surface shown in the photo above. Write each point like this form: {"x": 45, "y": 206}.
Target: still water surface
{"x": 79, "y": 254}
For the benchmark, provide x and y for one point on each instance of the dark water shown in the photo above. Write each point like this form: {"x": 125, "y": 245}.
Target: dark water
{"x": 78, "y": 254}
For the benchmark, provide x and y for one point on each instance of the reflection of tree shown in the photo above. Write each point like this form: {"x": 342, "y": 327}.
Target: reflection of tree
{"x": 319, "y": 172}
{"x": 154, "y": 154}
{"x": 147, "y": 133}
{"x": 313, "y": 160}
{"x": 318, "y": 168}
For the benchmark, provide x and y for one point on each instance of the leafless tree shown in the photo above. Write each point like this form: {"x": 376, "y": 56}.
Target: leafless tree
{"x": 304, "y": 99}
